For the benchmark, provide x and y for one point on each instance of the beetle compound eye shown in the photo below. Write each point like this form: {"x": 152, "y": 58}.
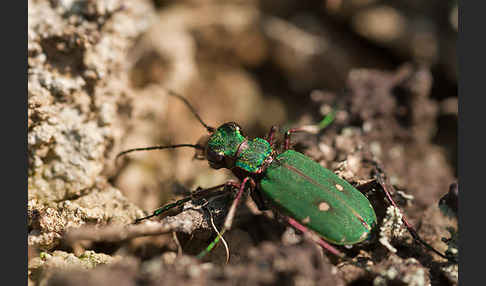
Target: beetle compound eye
{"x": 214, "y": 156}
{"x": 238, "y": 127}
{"x": 215, "y": 159}
{"x": 232, "y": 128}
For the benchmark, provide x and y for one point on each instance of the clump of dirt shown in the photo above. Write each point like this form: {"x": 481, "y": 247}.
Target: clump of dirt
{"x": 98, "y": 75}
{"x": 267, "y": 264}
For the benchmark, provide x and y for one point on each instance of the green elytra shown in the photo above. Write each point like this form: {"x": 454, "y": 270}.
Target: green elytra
{"x": 296, "y": 185}
{"x": 310, "y": 195}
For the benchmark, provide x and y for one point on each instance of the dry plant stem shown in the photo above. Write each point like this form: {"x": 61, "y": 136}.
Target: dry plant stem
{"x": 176, "y": 241}
{"x": 226, "y": 247}
{"x": 187, "y": 221}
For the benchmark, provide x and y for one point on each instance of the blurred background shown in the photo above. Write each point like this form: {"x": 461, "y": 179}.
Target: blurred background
{"x": 261, "y": 63}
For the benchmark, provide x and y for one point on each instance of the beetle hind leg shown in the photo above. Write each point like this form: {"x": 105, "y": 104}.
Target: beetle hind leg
{"x": 295, "y": 224}
{"x": 381, "y": 180}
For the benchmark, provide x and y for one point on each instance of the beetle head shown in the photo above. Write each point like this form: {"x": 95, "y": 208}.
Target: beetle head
{"x": 222, "y": 145}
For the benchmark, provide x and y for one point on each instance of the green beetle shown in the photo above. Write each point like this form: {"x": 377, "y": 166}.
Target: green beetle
{"x": 294, "y": 184}
{"x": 307, "y": 194}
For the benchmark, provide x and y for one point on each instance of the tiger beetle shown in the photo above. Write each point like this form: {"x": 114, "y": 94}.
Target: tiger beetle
{"x": 309, "y": 197}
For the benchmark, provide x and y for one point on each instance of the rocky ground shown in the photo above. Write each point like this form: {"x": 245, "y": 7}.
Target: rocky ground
{"x": 98, "y": 74}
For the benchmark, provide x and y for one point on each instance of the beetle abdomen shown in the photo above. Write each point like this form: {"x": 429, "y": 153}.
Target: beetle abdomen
{"x": 318, "y": 198}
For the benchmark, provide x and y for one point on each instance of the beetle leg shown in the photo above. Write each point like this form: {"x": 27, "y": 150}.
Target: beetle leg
{"x": 165, "y": 208}
{"x": 256, "y": 196}
{"x": 322, "y": 242}
{"x": 381, "y": 180}
{"x": 199, "y": 193}
{"x": 313, "y": 129}
{"x": 271, "y": 133}
{"x": 317, "y": 239}
{"x": 287, "y": 136}
{"x": 365, "y": 185}
{"x": 229, "y": 217}
{"x": 231, "y": 213}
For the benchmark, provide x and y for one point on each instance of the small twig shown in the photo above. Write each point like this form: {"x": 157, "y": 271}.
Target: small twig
{"x": 176, "y": 240}
{"x": 222, "y": 238}
{"x": 187, "y": 221}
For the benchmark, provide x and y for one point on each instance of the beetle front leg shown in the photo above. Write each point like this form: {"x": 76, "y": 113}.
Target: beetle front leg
{"x": 287, "y": 136}
{"x": 231, "y": 213}
{"x": 229, "y": 217}
{"x": 271, "y": 133}
{"x": 313, "y": 129}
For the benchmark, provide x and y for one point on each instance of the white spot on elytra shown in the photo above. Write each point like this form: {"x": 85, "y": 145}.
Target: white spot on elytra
{"x": 339, "y": 187}
{"x": 324, "y": 207}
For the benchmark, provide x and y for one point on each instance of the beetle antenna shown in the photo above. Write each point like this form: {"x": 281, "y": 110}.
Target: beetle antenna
{"x": 186, "y": 102}
{"x": 195, "y": 146}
